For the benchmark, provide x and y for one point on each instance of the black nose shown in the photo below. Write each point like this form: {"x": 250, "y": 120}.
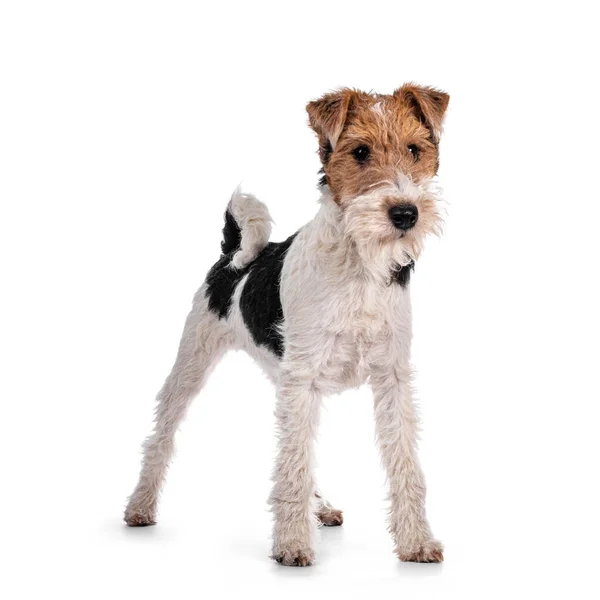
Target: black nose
{"x": 404, "y": 216}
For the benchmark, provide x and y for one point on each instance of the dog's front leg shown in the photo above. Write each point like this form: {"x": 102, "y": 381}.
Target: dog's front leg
{"x": 397, "y": 426}
{"x": 293, "y": 496}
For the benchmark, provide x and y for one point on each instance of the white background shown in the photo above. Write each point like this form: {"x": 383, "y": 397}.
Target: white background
{"x": 124, "y": 127}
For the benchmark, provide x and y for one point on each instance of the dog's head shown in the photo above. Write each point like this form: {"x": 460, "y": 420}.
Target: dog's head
{"x": 379, "y": 156}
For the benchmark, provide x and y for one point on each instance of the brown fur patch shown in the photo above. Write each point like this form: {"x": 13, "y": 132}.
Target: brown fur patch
{"x": 388, "y": 125}
{"x": 327, "y": 116}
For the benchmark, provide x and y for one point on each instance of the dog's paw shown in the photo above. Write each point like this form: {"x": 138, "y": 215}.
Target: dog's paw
{"x": 139, "y": 518}
{"x": 431, "y": 551}
{"x": 295, "y": 558}
{"x": 331, "y": 517}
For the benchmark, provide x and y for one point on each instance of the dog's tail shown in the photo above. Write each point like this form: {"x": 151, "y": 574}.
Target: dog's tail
{"x": 247, "y": 228}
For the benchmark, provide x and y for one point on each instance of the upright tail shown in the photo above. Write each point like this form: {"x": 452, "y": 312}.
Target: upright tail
{"x": 247, "y": 228}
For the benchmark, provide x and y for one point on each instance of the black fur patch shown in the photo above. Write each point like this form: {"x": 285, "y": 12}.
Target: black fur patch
{"x": 260, "y": 302}
{"x": 401, "y": 275}
{"x": 232, "y": 236}
{"x": 323, "y": 178}
{"x": 326, "y": 152}
{"x": 221, "y": 281}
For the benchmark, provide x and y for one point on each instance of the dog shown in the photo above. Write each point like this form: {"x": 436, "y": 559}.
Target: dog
{"x": 326, "y": 310}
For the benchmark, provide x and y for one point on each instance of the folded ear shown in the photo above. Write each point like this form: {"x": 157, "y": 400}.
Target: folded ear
{"x": 327, "y": 117}
{"x": 428, "y": 104}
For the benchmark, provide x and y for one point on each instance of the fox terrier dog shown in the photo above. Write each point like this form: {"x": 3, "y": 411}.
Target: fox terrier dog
{"x": 326, "y": 310}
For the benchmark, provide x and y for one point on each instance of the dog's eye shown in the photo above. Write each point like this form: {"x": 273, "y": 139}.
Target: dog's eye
{"x": 361, "y": 154}
{"x": 415, "y": 151}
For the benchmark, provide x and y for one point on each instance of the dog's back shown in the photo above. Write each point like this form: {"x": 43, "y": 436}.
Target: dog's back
{"x": 247, "y": 251}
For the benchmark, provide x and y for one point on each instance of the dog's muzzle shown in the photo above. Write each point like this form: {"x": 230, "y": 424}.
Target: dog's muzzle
{"x": 404, "y": 216}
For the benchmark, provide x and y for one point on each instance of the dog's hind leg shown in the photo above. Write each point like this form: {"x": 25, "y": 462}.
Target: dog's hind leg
{"x": 204, "y": 341}
{"x": 327, "y": 514}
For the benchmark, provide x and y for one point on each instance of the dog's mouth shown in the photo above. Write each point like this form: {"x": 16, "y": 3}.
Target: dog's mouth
{"x": 401, "y": 234}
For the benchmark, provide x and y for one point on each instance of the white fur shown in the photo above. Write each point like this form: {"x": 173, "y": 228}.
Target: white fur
{"x": 254, "y": 220}
{"x": 344, "y": 325}
{"x": 377, "y": 108}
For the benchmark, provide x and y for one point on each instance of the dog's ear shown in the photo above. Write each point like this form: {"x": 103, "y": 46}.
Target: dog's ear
{"x": 327, "y": 117}
{"x": 428, "y": 104}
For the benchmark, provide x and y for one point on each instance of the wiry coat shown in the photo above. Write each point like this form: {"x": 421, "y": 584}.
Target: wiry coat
{"x": 323, "y": 311}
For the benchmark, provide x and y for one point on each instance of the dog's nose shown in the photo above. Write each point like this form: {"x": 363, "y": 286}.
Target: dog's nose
{"x": 404, "y": 216}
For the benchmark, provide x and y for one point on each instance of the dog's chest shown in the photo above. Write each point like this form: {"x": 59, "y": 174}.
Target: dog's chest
{"x": 362, "y": 321}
